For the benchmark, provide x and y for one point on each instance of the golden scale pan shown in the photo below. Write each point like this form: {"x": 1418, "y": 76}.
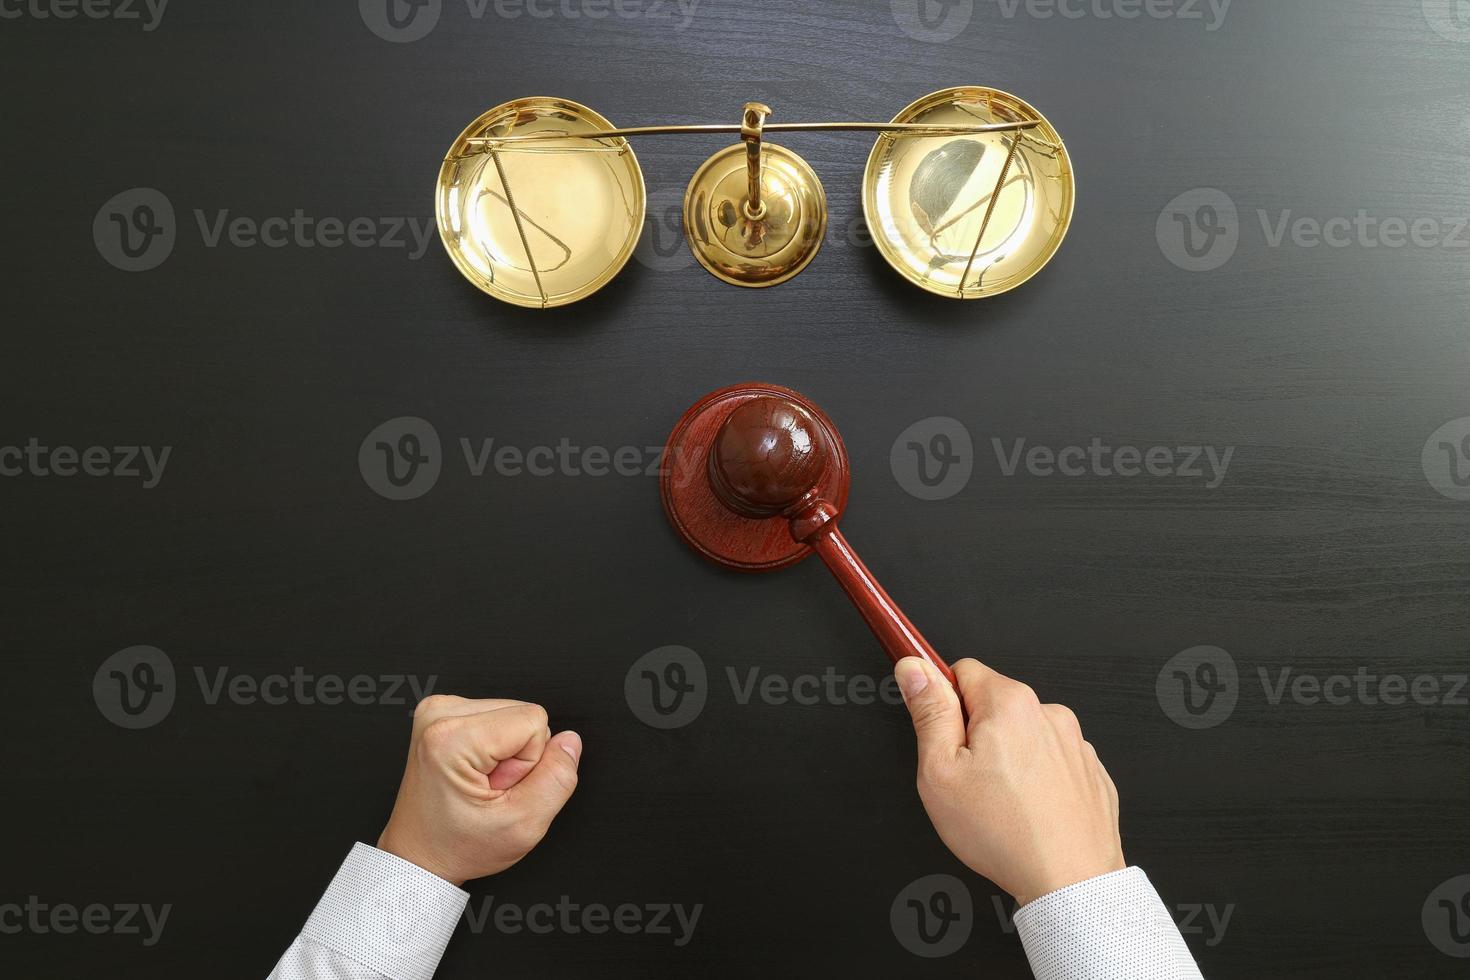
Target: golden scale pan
{"x": 968, "y": 192}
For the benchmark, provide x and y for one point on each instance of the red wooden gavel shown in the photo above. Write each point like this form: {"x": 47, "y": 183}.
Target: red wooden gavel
{"x": 755, "y": 478}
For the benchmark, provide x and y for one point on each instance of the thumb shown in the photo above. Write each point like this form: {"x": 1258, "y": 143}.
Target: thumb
{"x": 938, "y": 719}
{"x": 547, "y": 787}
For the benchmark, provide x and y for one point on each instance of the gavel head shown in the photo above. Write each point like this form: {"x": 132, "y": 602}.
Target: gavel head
{"x": 767, "y": 458}
{"x": 749, "y": 472}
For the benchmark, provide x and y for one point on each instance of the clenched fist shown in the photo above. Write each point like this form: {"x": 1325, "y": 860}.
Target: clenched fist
{"x": 1015, "y": 793}
{"x": 484, "y": 781}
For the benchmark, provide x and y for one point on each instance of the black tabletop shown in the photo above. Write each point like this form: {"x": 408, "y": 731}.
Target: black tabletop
{"x": 1206, "y": 481}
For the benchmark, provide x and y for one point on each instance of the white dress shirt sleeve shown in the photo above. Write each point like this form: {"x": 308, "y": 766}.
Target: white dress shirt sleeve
{"x": 1113, "y": 927}
{"x": 382, "y": 918}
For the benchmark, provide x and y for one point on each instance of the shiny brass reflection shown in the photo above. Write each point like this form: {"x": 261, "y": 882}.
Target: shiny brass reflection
{"x": 546, "y": 227}
{"x": 755, "y": 215}
{"x": 969, "y": 217}
{"x": 968, "y": 192}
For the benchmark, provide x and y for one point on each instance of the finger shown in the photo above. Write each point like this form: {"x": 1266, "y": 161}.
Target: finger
{"x": 979, "y": 685}
{"x": 934, "y": 707}
{"x": 508, "y": 772}
{"x": 485, "y": 740}
{"x": 437, "y": 706}
{"x": 548, "y": 786}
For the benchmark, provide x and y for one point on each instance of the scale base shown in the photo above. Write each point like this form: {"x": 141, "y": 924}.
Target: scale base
{"x": 762, "y": 251}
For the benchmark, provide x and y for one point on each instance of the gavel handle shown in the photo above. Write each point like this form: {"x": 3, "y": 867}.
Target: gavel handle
{"x": 900, "y": 638}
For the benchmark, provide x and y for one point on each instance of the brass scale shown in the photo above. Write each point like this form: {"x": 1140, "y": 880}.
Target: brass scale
{"x": 968, "y": 192}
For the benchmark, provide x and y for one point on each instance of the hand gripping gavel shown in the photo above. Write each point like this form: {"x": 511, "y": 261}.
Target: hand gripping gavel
{"x": 754, "y": 478}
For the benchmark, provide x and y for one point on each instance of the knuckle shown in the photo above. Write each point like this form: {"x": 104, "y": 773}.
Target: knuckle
{"x": 537, "y": 715}
{"x": 969, "y": 674}
{"x": 439, "y": 735}
{"x": 433, "y": 706}
{"x": 1065, "y": 716}
{"x": 1019, "y": 696}
{"x": 566, "y": 778}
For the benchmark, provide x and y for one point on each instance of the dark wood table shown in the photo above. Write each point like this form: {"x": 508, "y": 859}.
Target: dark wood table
{"x": 1298, "y": 825}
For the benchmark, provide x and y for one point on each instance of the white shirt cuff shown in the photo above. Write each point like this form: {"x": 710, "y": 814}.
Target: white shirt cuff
{"x": 387, "y": 914}
{"x": 1112, "y": 927}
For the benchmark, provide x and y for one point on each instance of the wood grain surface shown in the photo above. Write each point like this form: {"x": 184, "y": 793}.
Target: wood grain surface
{"x": 265, "y": 548}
